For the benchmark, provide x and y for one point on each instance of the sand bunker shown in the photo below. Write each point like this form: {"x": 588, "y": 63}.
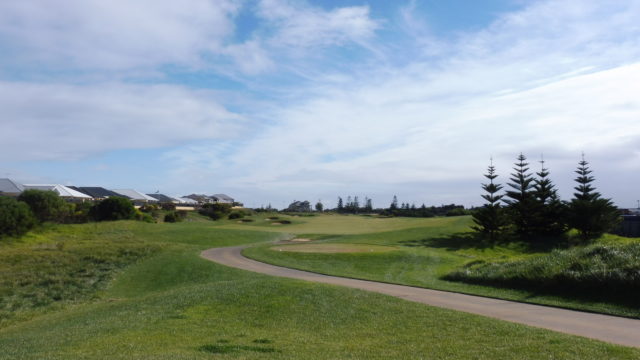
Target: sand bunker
{"x": 300, "y": 240}
{"x": 334, "y": 248}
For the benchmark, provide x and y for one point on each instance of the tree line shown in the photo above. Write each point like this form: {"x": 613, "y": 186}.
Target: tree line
{"x": 530, "y": 208}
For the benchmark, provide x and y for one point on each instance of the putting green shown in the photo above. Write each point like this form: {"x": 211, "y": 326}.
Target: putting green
{"x": 334, "y": 248}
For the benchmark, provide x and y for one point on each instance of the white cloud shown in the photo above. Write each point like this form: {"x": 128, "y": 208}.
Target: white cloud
{"x": 301, "y": 25}
{"x": 557, "y": 77}
{"x": 56, "y": 121}
{"x": 115, "y": 35}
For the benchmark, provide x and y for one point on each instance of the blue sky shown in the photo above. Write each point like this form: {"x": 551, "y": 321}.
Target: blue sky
{"x": 272, "y": 101}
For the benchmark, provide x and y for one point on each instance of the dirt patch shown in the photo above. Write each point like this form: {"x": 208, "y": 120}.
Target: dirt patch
{"x": 300, "y": 240}
{"x": 334, "y": 248}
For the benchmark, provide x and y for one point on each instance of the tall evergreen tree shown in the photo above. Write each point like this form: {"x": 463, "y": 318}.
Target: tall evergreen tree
{"x": 394, "y": 203}
{"x": 340, "y": 205}
{"x": 520, "y": 200}
{"x": 489, "y": 219}
{"x": 550, "y": 211}
{"x": 589, "y": 213}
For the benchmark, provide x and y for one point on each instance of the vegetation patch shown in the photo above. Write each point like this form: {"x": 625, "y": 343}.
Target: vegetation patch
{"x": 36, "y": 276}
{"x": 598, "y": 271}
{"x": 332, "y": 248}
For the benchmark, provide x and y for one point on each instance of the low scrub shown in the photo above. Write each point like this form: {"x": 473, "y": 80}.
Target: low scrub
{"x": 38, "y": 276}
{"x": 610, "y": 272}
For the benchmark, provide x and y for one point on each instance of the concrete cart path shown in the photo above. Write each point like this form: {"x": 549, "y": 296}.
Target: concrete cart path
{"x": 612, "y": 329}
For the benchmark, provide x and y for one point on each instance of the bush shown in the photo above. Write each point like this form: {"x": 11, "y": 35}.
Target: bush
{"x": 140, "y": 216}
{"x": 113, "y": 208}
{"x": 79, "y": 213}
{"x": 236, "y": 215}
{"x": 15, "y": 217}
{"x": 175, "y": 216}
{"x": 45, "y": 205}
{"x": 215, "y": 211}
{"x": 168, "y": 206}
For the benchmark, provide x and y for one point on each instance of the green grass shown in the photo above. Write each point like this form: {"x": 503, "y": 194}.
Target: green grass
{"x": 426, "y": 255}
{"x": 172, "y": 304}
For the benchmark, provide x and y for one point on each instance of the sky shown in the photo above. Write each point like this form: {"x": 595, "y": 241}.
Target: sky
{"x": 271, "y": 101}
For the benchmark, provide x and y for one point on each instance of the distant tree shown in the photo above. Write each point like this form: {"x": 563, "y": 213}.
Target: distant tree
{"x": 340, "y": 205}
{"x": 45, "y": 205}
{"x": 394, "y": 203}
{"x": 589, "y": 213}
{"x": 549, "y": 216}
{"x": 368, "y": 207}
{"x": 299, "y": 206}
{"x": 217, "y": 211}
{"x": 16, "y": 217}
{"x": 356, "y": 205}
{"x": 490, "y": 219}
{"x": 520, "y": 199}
{"x": 319, "y": 206}
{"x": 113, "y": 208}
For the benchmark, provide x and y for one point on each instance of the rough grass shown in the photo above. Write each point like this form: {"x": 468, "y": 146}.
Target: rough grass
{"x": 70, "y": 264}
{"x": 600, "y": 272}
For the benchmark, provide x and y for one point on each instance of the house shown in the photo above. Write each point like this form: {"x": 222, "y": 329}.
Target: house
{"x": 64, "y": 192}
{"x": 200, "y": 198}
{"x": 98, "y": 193}
{"x": 222, "y": 199}
{"x": 164, "y": 198}
{"x": 9, "y": 187}
{"x": 187, "y": 201}
{"x": 137, "y": 197}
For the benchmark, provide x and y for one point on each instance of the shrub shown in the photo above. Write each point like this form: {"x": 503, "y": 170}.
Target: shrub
{"x": 175, "y": 216}
{"x": 45, "y": 205}
{"x": 215, "y": 211}
{"x": 149, "y": 208}
{"x": 15, "y": 217}
{"x": 168, "y": 206}
{"x": 113, "y": 208}
{"x": 236, "y": 215}
{"x": 79, "y": 213}
{"x": 140, "y": 216}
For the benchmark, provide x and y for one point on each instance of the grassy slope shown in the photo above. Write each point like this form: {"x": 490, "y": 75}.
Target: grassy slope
{"x": 176, "y": 305}
{"x": 425, "y": 254}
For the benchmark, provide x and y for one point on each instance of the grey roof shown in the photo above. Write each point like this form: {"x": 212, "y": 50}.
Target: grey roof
{"x": 134, "y": 195}
{"x": 95, "y": 191}
{"x": 222, "y": 197}
{"x": 60, "y": 189}
{"x": 10, "y": 186}
{"x": 163, "y": 198}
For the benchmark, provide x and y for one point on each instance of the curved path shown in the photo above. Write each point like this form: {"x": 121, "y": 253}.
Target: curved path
{"x": 607, "y": 328}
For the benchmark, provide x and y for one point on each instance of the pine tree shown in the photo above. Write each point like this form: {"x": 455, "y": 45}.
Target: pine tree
{"x": 549, "y": 215}
{"x": 520, "y": 200}
{"x": 340, "y": 205}
{"x": 589, "y": 213}
{"x": 394, "y": 203}
{"x": 489, "y": 219}
{"x": 319, "y": 206}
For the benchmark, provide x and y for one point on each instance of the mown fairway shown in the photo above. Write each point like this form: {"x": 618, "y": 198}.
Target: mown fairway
{"x": 171, "y": 304}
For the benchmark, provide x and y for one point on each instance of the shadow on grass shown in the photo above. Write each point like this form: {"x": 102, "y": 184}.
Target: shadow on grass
{"x": 472, "y": 240}
{"x": 458, "y": 241}
{"x": 223, "y": 347}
